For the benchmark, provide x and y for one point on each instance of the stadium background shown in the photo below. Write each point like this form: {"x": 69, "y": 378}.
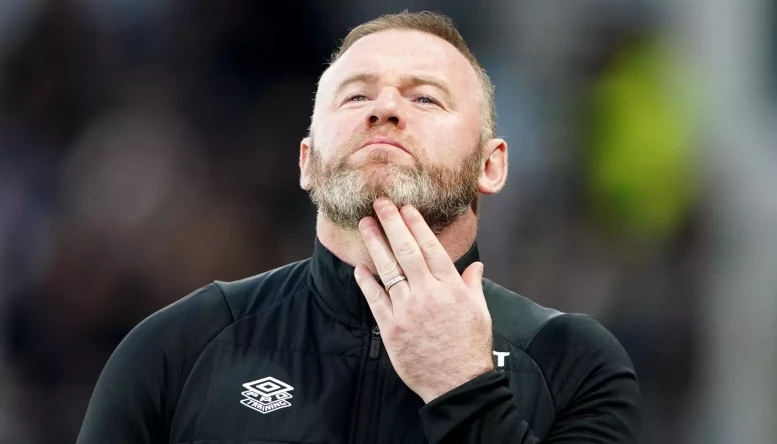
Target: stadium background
{"x": 148, "y": 147}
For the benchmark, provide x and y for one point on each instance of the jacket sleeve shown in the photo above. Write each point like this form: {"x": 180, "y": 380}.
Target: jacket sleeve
{"x": 136, "y": 395}
{"x": 594, "y": 388}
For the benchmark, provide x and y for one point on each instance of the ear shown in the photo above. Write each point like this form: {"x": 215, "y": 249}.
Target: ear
{"x": 494, "y": 174}
{"x": 304, "y": 166}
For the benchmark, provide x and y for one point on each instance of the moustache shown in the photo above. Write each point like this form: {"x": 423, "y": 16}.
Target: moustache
{"x": 408, "y": 142}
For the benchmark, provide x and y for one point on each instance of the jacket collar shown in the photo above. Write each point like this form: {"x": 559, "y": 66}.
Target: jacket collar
{"x": 332, "y": 279}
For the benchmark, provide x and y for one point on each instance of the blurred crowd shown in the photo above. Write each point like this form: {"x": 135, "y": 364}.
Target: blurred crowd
{"x": 149, "y": 147}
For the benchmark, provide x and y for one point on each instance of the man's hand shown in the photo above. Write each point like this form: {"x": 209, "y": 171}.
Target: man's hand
{"x": 435, "y": 325}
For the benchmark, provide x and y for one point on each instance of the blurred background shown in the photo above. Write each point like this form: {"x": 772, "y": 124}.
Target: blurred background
{"x": 149, "y": 147}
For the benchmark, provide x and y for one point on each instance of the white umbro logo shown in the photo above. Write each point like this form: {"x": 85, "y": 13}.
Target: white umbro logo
{"x": 266, "y": 395}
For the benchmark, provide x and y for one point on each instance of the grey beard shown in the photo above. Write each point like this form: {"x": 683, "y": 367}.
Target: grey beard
{"x": 344, "y": 196}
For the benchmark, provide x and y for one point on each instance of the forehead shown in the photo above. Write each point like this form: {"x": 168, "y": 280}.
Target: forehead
{"x": 398, "y": 52}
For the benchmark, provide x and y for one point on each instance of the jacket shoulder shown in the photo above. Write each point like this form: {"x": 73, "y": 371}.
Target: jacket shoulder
{"x": 587, "y": 369}
{"x": 582, "y": 363}
{"x": 138, "y": 389}
{"x": 515, "y": 318}
{"x": 179, "y": 332}
{"x": 205, "y": 306}
{"x": 248, "y": 295}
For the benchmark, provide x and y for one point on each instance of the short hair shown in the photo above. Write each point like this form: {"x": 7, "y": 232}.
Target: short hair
{"x": 439, "y": 25}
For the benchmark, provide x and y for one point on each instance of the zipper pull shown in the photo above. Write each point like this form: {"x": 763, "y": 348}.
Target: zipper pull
{"x": 375, "y": 344}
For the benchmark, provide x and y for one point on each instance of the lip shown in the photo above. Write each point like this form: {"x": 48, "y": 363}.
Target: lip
{"x": 384, "y": 141}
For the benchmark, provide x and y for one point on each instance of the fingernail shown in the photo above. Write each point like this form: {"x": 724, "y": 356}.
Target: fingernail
{"x": 408, "y": 210}
{"x": 383, "y": 203}
{"x": 366, "y": 223}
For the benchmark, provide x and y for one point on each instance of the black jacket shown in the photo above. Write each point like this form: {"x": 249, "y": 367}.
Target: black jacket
{"x": 291, "y": 356}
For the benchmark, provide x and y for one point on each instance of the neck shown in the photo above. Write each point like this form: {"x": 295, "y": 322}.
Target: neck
{"x": 457, "y": 238}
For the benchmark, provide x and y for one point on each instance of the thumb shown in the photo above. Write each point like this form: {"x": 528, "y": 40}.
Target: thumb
{"x": 473, "y": 276}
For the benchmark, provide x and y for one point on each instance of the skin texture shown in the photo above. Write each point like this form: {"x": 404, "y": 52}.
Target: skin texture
{"x": 421, "y": 92}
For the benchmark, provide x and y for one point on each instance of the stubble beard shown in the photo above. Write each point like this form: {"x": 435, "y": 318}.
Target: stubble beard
{"x": 345, "y": 193}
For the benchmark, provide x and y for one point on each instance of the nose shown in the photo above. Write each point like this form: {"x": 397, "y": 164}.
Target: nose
{"x": 385, "y": 109}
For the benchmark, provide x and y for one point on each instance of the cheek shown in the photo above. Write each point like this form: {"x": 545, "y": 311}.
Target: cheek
{"x": 446, "y": 143}
{"x": 331, "y": 134}
{"x": 343, "y": 128}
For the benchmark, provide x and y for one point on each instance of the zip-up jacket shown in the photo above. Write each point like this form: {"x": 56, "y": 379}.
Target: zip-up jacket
{"x": 293, "y": 355}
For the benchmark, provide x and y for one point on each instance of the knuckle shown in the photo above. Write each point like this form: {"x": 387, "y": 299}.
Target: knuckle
{"x": 388, "y": 267}
{"x": 406, "y": 249}
{"x": 431, "y": 246}
{"x": 395, "y": 330}
{"x": 421, "y": 309}
{"x": 391, "y": 218}
{"x": 417, "y": 311}
{"x": 377, "y": 294}
{"x": 442, "y": 266}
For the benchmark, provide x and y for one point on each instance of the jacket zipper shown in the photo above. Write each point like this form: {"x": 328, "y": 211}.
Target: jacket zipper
{"x": 371, "y": 374}
{"x": 375, "y": 345}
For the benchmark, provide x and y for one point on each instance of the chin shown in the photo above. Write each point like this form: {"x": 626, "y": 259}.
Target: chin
{"x": 377, "y": 171}
{"x": 381, "y": 156}
{"x": 379, "y": 184}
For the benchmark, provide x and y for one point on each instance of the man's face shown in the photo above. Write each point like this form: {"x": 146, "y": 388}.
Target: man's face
{"x": 398, "y": 115}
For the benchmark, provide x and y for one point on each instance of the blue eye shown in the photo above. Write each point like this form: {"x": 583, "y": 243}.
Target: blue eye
{"x": 353, "y": 98}
{"x": 426, "y": 100}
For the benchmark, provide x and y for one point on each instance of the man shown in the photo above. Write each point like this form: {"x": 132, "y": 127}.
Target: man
{"x": 388, "y": 333}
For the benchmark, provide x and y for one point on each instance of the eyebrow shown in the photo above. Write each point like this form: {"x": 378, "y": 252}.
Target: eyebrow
{"x": 405, "y": 80}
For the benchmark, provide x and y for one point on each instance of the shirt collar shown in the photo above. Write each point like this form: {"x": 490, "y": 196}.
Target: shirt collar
{"x": 333, "y": 280}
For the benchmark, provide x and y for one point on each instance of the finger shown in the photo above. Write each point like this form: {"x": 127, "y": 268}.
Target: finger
{"x": 437, "y": 259}
{"x": 473, "y": 279}
{"x": 385, "y": 263}
{"x": 377, "y": 299}
{"x": 403, "y": 244}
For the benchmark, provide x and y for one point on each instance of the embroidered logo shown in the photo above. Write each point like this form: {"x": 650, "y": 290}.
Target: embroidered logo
{"x": 266, "y": 395}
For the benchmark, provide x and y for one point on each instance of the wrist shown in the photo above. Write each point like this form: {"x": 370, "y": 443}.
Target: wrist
{"x": 456, "y": 380}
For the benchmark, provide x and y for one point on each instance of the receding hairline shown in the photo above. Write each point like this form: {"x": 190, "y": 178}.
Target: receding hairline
{"x": 429, "y": 23}
{"x": 365, "y": 73}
